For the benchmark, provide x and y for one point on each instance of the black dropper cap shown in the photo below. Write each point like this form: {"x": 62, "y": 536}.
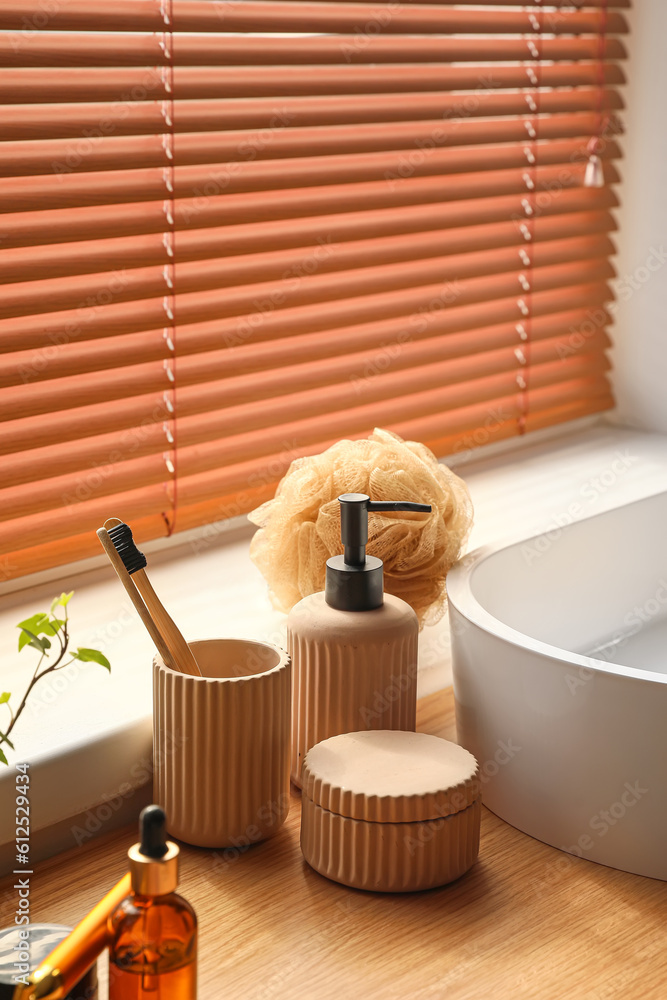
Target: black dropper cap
{"x": 153, "y": 832}
{"x": 154, "y": 860}
{"x": 354, "y": 581}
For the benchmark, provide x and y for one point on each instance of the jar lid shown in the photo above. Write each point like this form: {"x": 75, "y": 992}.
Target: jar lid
{"x": 20, "y": 955}
{"x": 385, "y": 776}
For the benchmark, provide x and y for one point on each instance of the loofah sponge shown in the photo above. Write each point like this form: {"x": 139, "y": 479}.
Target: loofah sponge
{"x": 300, "y": 527}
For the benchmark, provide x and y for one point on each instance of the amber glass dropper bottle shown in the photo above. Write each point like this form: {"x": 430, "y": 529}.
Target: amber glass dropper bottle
{"x": 153, "y": 950}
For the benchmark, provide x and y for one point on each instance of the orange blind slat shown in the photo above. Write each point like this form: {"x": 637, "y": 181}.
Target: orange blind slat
{"x": 228, "y": 242}
{"x": 204, "y": 15}
{"x": 111, "y": 84}
{"x": 108, "y": 50}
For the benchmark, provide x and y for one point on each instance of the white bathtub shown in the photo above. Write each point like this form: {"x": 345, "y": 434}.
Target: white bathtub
{"x": 559, "y": 647}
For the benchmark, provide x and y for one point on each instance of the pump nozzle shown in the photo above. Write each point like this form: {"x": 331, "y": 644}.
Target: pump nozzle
{"x": 354, "y": 580}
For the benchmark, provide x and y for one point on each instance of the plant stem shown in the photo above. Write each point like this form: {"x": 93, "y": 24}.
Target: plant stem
{"x": 35, "y": 678}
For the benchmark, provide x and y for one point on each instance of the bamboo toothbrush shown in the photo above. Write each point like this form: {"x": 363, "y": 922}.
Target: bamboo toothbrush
{"x": 129, "y": 563}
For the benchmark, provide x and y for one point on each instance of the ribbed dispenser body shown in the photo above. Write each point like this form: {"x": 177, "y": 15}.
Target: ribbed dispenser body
{"x": 351, "y": 671}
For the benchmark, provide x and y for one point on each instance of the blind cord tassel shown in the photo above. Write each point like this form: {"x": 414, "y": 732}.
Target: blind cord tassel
{"x": 594, "y": 174}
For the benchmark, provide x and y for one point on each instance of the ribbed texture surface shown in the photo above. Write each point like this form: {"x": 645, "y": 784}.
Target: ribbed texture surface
{"x": 221, "y": 755}
{"x": 389, "y": 857}
{"x": 349, "y": 681}
{"x": 391, "y": 777}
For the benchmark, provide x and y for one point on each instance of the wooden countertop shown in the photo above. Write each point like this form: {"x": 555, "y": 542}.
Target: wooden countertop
{"x": 526, "y": 922}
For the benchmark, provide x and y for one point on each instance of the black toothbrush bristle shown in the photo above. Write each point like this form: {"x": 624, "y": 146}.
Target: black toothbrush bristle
{"x": 133, "y": 559}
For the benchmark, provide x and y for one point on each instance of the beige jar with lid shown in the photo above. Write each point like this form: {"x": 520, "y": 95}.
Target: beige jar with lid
{"x": 390, "y": 811}
{"x": 353, "y": 648}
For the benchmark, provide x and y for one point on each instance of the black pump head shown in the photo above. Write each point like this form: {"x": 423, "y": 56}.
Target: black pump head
{"x": 153, "y": 832}
{"x": 354, "y": 581}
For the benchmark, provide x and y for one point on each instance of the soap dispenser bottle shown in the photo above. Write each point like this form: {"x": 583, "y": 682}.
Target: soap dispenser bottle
{"x": 353, "y": 647}
{"x": 153, "y": 931}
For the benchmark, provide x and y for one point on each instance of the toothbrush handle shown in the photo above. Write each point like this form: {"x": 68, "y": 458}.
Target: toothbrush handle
{"x": 178, "y": 647}
{"x": 71, "y": 959}
{"x": 135, "y": 597}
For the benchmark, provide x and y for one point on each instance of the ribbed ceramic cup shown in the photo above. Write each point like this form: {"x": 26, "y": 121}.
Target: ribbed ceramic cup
{"x": 222, "y": 743}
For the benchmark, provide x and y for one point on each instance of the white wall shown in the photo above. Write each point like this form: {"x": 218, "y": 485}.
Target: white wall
{"x": 640, "y": 331}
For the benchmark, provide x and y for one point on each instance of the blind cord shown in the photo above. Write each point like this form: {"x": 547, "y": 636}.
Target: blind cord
{"x": 170, "y": 425}
{"x": 527, "y": 255}
{"x": 594, "y": 172}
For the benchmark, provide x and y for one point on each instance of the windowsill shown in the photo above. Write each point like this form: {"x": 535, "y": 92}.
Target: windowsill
{"x": 87, "y": 736}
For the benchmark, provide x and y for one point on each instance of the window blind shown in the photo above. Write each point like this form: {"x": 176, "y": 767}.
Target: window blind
{"x": 235, "y": 231}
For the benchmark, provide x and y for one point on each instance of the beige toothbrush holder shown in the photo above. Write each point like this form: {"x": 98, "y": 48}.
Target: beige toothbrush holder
{"x": 221, "y": 743}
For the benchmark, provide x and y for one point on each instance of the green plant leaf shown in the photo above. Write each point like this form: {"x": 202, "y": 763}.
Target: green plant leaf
{"x": 28, "y": 638}
{"x": 6, "y": 739}
{"x": 33, "y": 623}
{"x": 56, "y": 624}
{"x": 3, "y": 758}
{"x": 4, "y": 697}
{"x": 39, "y": 624}
{"x": 61, "y": 601}
{"x": 91, "y": 656}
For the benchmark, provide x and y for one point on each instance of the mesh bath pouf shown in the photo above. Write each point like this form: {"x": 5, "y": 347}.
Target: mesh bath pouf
{"x": 300, "y": 527}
